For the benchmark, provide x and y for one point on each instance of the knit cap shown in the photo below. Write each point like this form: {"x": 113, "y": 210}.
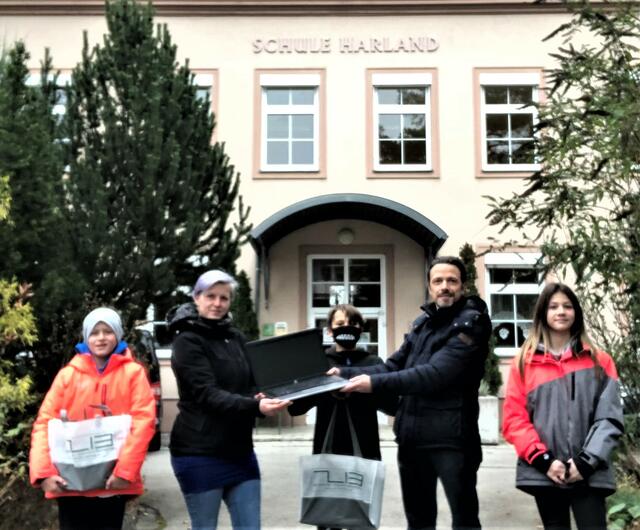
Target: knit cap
{"x": 106, "y": 315}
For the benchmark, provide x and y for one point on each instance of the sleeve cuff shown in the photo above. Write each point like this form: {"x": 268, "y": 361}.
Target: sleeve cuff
{"x": 543, "y": 461}
{"x": 585, "y": 469}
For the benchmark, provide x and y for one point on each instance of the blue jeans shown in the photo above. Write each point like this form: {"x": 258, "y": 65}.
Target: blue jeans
{"x": 242, "y": 500}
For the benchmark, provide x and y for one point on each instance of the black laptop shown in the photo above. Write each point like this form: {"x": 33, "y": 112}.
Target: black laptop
{"x": 292, "y": 366}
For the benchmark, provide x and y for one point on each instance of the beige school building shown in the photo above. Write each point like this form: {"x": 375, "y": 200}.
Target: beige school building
{"x": 366, "y": 134}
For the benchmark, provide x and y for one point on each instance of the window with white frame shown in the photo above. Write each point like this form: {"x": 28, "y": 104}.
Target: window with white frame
{"x": 290, "y": 122}
{"x": 204, "y": 85}
{"x": 349, "y": 279}
{"x": 508, "y": 118}
{"x": 402, "y": 122}
{"x": 62, "y": 81}
{"x": 513, "y": 284}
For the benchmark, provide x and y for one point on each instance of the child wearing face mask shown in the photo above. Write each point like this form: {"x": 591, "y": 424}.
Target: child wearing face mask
{"x": 345, "y": 325}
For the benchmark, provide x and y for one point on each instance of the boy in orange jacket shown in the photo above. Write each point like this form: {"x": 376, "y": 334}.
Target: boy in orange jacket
{"x": 102, "y": 376}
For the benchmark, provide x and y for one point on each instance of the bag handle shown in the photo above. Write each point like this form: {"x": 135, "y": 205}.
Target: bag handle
{"x": 328, "y": 438}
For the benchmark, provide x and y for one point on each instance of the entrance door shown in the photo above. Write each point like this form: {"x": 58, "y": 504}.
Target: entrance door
{"x": 349, "y": 279}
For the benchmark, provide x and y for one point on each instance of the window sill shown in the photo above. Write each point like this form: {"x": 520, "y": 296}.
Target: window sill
{"x": 395, "y": 174}
{"x": 305, "y": 175}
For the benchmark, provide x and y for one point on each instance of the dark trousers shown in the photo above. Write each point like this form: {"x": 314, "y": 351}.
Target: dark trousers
{"x": 91, "y": 513}
{"x": 420, "y": 470}
{"x": 587, "y": 505}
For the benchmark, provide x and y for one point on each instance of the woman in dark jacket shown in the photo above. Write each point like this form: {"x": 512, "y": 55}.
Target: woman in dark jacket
{"x": 211, "y": 441}
{"x": 345, "y": 325}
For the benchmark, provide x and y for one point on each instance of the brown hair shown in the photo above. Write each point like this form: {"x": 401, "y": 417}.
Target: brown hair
{"x": 539, "y": 332}
{"x": 354, "y": 317}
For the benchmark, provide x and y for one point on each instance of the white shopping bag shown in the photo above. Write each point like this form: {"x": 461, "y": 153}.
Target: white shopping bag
{"x": 341, "y": 491}
{"x": 85, "y": 452}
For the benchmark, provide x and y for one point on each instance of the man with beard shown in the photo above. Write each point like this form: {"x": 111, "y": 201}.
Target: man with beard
{"x": 437, "y": 372}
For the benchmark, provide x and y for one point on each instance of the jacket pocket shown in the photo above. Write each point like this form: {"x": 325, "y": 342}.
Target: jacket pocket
{"x": 439, "y": 421}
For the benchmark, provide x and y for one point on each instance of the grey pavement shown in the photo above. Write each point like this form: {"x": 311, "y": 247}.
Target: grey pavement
{"x": 501, "y": 505}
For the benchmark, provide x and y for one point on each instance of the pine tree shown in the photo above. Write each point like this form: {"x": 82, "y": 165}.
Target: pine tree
{"x": 34, "y": 243}
{"x": 244, "y": 316}
{"x": 150, "y": 198}
{"x": 492, "y": 379}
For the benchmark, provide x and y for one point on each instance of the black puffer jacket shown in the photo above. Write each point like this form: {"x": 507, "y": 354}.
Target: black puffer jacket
{"x": 437, "y": 372}
{"x": 215, "y": 387}
{"x": 362, "y": 408}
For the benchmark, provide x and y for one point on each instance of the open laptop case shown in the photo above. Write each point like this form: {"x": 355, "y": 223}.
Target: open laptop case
{"x": 292, "y": 366}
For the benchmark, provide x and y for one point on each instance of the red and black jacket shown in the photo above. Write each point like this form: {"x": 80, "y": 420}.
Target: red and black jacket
{"x": 563, "y": 408}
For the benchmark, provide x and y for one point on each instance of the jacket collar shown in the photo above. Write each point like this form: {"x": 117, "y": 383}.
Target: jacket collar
{"x": 84, "y": 362}
{"x": 576, "y": 349}
{"x": 444, "y": 314}
{"x": 349, "y": 357}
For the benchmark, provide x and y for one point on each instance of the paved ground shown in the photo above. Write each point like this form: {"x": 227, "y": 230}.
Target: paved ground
{"x": 501, "y": 505}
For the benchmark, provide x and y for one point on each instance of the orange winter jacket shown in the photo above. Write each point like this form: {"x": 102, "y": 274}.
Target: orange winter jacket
{"x": 124, "y": 388}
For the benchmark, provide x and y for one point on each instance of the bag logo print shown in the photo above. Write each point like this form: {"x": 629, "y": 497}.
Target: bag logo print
{"x": 89, "y": 443}
{"x": 324, "y": 476}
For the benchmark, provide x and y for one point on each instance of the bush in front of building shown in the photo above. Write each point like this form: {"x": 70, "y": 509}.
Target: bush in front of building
{"x": 244, "y": 315}
{"x": 582, "y": 207}
{"x": 492, "y": 380}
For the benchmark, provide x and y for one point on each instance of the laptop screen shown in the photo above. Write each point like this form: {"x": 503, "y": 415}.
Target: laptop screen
{"x": 281, "y": 360}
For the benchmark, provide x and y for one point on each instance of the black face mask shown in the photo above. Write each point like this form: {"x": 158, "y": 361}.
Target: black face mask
{"x": 346, "y": 336}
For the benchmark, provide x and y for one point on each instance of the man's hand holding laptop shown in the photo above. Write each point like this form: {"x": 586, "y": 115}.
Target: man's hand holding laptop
{"x": 359, "y": 383}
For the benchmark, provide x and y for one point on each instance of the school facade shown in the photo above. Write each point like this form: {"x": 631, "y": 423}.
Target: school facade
{"x": 366, "y": 134}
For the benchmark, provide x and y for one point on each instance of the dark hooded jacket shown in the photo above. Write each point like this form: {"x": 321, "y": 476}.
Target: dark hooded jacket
{"x": 437, "y": 372}
{"x": 362, "y": 408}
{"x": 215, "y": 386}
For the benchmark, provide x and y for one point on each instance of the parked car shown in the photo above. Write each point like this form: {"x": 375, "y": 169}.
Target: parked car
{"x": 144, "y": 349}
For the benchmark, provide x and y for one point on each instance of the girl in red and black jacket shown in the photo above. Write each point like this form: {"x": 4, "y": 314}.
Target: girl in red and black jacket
{"x": 563, "y": 414}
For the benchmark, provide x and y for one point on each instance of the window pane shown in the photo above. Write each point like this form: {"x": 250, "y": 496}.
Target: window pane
{"x": 302, "y": 126}
{"x": 277, "y": 96}
{"x": 389, "y": 126}
{"x": 327, "y": 270}
{"x": 502, "y": 306}
{"x": 371, "y": 328}
{"x": 203, "y": 93}
{"x": 497, "y": 152}
{"x": 525, "y": 276}
{"x": 503, "y": 275}
{"x": 500, "y": 275}
{"x": 520, "y": 95}
{"x": 504, "y": 334}
{"x": 415, "y": 152}
{"x": 521, "y": 125}
{"x": 523, "y": 153}
{"x": 388, "y": 96}
{"x": 524, "y": 305}
{"x": 495, "y": 95}
{"x": 390, "y": 152}
{"x": 523, "y": 332}
{"x": 497, "y": 125}
{"x": 364, "y": 270}
{"x": 364, "y": 295}
{"x": 302, "y": 96}
{"x": 61, "y": 96}
{"x": 328, "y": 295}
{"x": 277, "y": 152}
{"x": 277, "y": 126}
{"x": 413, "y": 96}
{"x": 413, "y": 125}
{"x": 302, "y": 152}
